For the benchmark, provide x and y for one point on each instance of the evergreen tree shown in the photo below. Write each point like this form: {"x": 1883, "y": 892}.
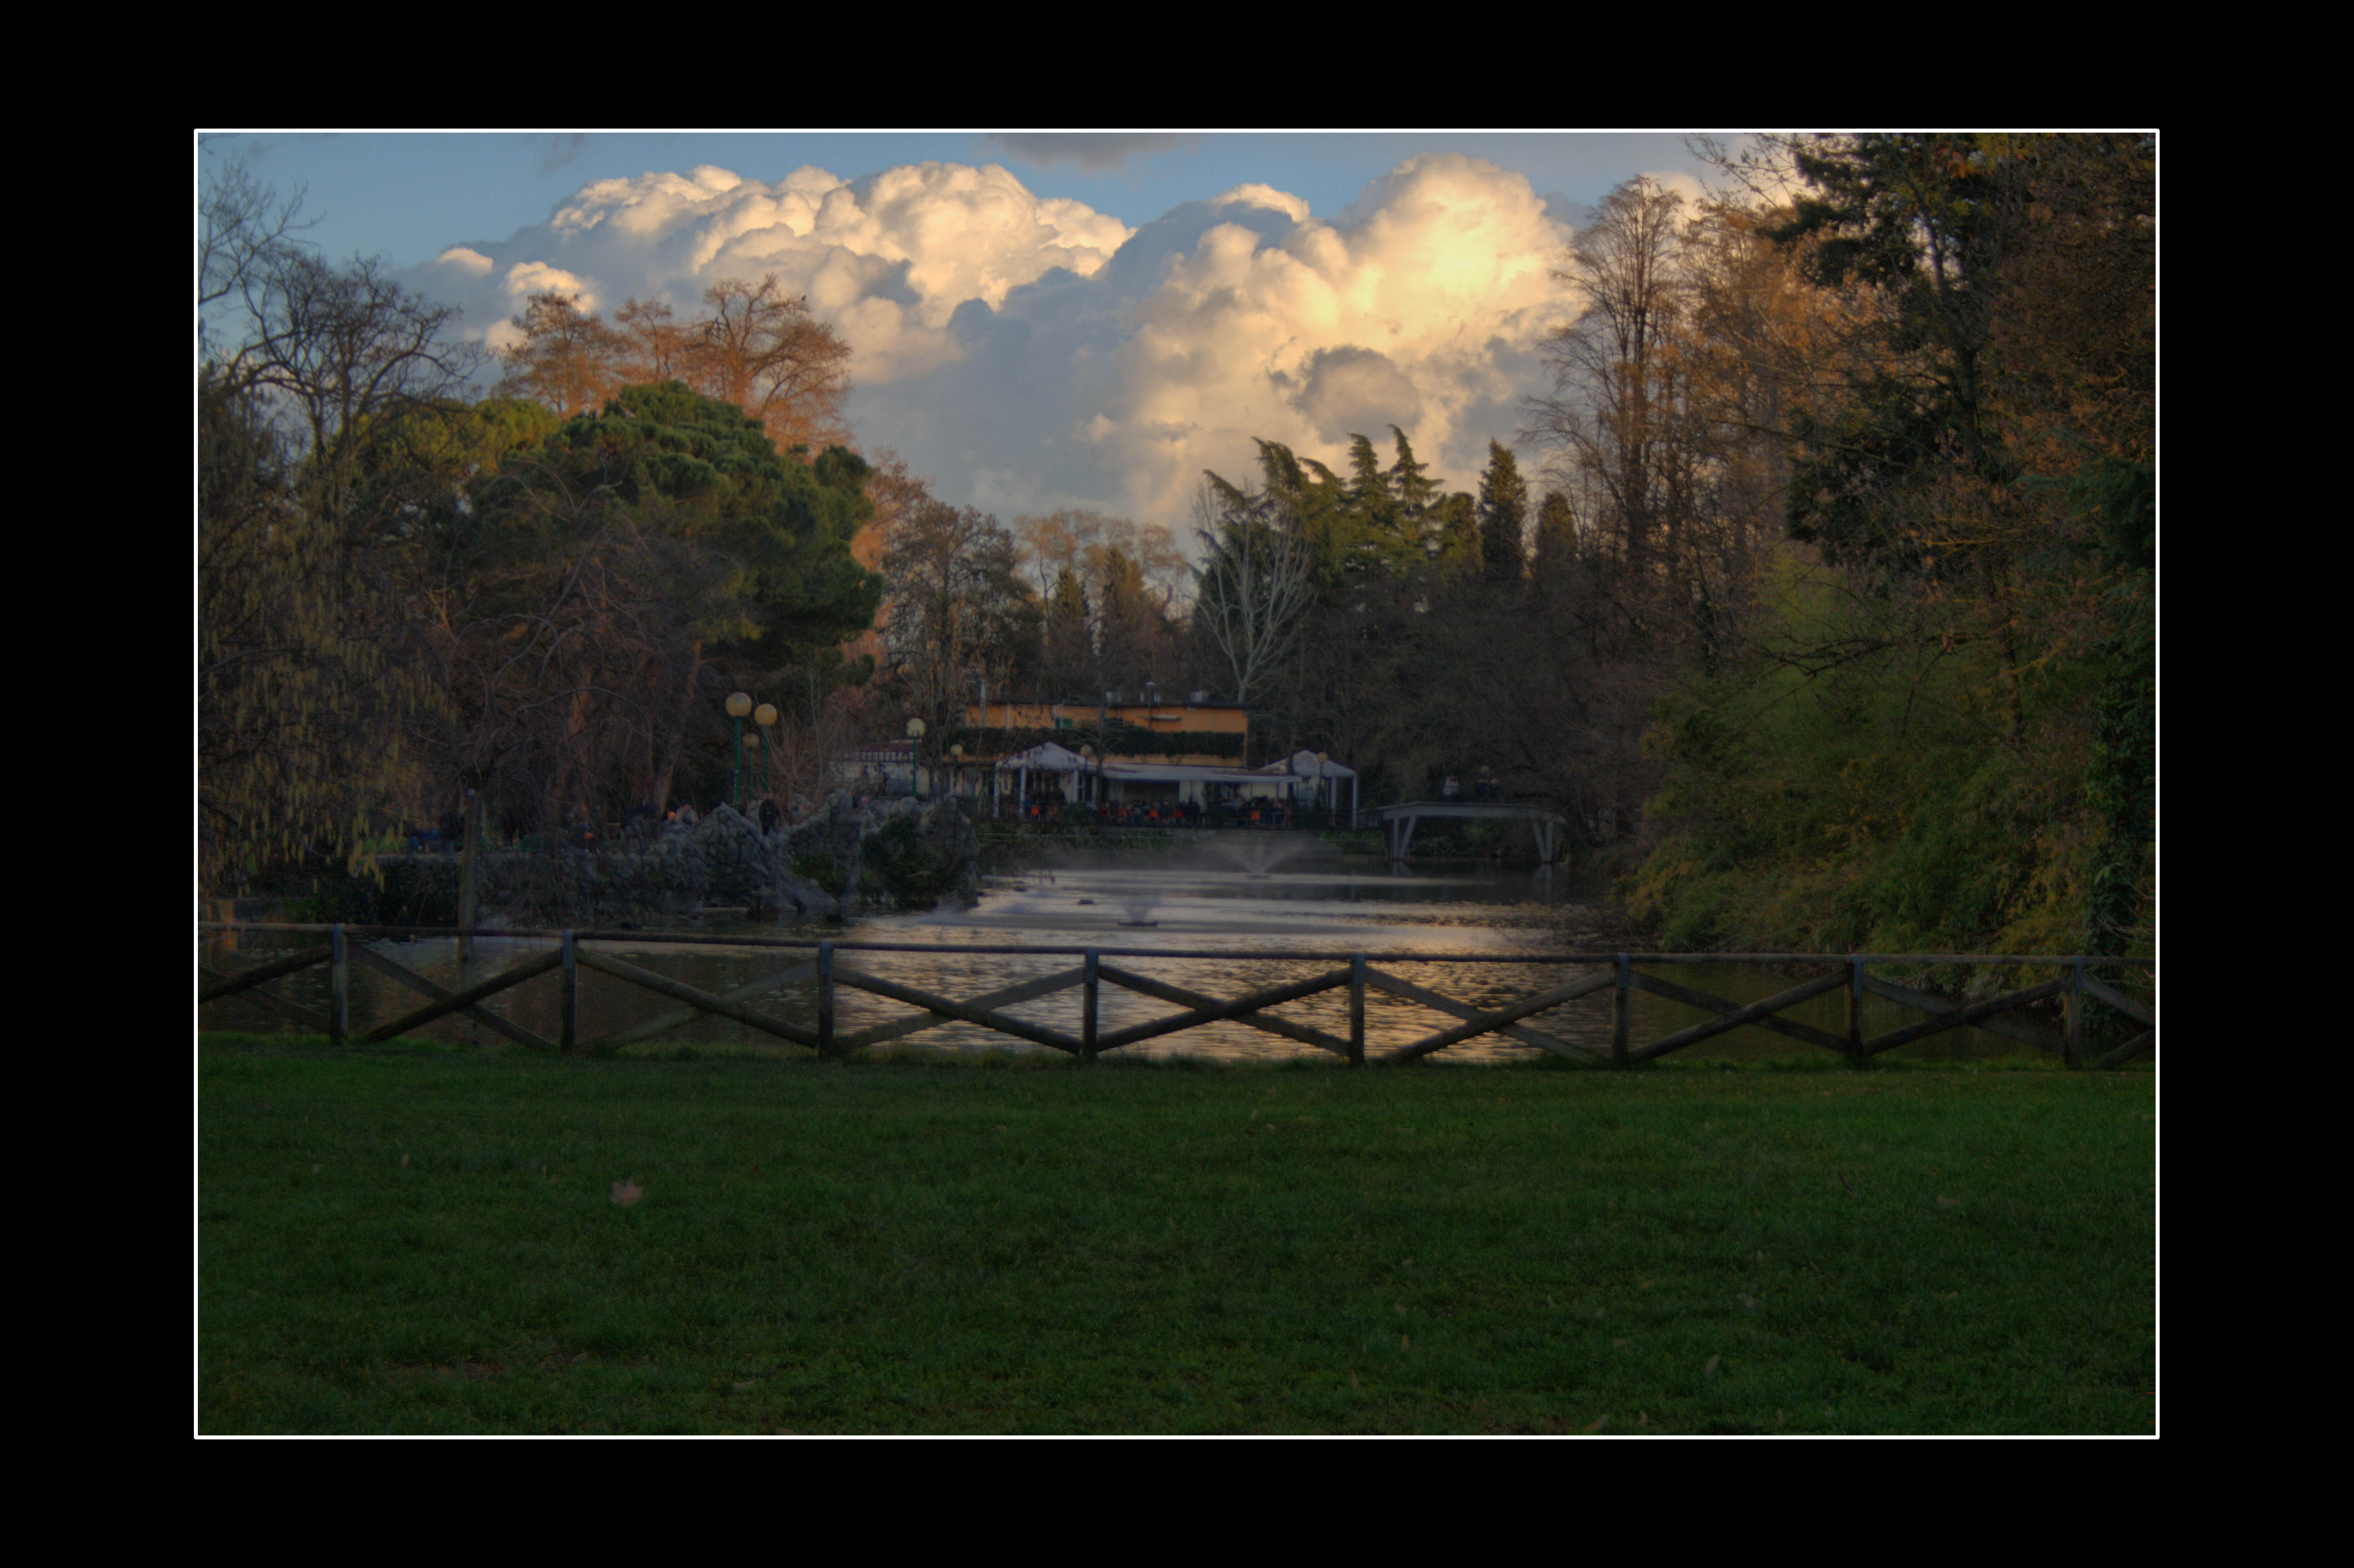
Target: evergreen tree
{"x": 1410, "y": 482}
{"x": 1067, "y": 643}
{"x": 1454, "y": 532}
{"x": 1556, "y": 536}
{"x": 1504, "y": 512}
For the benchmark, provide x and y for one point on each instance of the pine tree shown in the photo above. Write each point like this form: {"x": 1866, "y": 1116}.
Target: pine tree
{"x": 1556, "y": 536}
{"x": 1410, "y": 481}
{"x": 1503, "y": 511}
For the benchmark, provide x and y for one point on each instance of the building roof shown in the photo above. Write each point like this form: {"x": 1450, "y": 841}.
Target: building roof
{"x": 1044, "y": 758}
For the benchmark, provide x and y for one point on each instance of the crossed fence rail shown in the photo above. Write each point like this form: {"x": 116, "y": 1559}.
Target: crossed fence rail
{"x": 1356, "y": 971}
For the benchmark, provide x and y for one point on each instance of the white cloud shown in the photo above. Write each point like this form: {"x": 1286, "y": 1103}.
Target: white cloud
{"x": 1284, "y": 202}
{"x": 1030, "y": 352}
{"x": 1422, "y": 305}
{"x": 527, "y": 278}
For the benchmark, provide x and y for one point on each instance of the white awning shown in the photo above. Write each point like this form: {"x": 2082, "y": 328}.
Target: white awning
{"x": 1304, "y": 764}
{"x": 1044, "y": 758}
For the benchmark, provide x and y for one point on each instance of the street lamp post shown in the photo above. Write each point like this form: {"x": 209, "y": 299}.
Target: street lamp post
{"x": 738, "y": 704}
{"x": 956, "y": 768}
{"x": 765, "y": 715}
{"x": 916, "y": 757}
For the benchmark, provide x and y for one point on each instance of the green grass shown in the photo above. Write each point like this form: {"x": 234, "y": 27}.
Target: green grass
{"x": 422, "y": 1239}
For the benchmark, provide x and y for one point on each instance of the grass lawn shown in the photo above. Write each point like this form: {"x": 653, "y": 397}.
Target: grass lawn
{"x": 418, "y": 1239}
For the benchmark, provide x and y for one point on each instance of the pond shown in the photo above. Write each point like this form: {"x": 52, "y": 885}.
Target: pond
{"x": 1258, "y": 899}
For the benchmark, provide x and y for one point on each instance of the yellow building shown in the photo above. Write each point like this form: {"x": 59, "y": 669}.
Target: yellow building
{"x": 1228, "y": 721}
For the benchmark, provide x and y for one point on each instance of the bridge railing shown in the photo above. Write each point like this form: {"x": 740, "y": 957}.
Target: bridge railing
{"x": 833, "y": 967}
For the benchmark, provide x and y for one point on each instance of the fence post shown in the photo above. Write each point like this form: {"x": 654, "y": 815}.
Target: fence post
{"x": 339, "y": 984}
{"x": 1622, "y": 1007}
{"x": 568, "y": 1013}
{"x": 1854, "y": 1008}
{"x": 824, "y": 1000}
{"x": 2073, "y": 1056}
{"x": 1087, "y": 1011}
{"x": 1356, "y": 1010}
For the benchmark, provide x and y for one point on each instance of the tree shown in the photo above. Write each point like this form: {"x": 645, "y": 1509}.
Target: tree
{"x": 334, "y": 348}
{"x": 1557, "y": 549}
{"x": 1503, "y": 515}
{"x": 297, "y": 697}
{"x": 760, "y": 348}
{"x": 1069, "y": 660}
{"x": 660, "y": 349}
{"x": 625, "y": 567}
{"x": 569, "y": 358}
{"x": 959, "y": 612}
{"x": 243, "y": 228}
{"x": 304, "y": 677}
{"x": 1615, "y": 412}
{"x": 1257, "y": 577}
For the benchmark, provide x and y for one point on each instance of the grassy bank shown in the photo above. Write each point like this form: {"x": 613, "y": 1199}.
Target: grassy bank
{"x": 410, "y": 1238}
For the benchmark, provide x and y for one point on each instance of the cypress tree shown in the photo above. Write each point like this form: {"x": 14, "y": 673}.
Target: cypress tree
{"x": 1504, "y": 512}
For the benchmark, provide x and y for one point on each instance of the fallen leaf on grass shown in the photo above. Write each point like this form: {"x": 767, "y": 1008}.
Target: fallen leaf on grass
{"x": 1949, "y": 1203}
{"x": 627, "y": 1192}
{"x": 744, "y": 1387}
{"x": 1353, "y": 1383}
{"x": 1596, "y": 1424}
{"x": 404, "y": 1162}
{"x": 316, "y": 1169}
{"x": 1710, "y": 1370}
{"x": 1620, "y": 1344}
{"x": 1749, "y": 1301}
{"x": 1405, "y": 1341}
{"x": 1642, "y": 1418}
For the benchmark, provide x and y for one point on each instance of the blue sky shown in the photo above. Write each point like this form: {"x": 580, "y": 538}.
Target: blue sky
{"x": 1039, "y": 319}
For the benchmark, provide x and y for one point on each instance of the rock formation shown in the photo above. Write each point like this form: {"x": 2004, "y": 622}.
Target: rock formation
{"x": 841, "y": 860}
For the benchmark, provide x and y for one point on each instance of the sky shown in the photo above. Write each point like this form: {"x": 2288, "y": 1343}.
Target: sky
{"x": 1037, "y": 321}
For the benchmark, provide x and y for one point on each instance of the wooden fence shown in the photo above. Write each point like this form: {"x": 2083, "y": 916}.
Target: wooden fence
{"x": 1355, "y": 972}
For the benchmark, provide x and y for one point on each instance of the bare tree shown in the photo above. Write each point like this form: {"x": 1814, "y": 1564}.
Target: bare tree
{"x": 569, "y": 358}
{"x": 959, "y": 611}
{"x": 335, "y": 347}
{"x": 1617, "y": 375}
{"x": 1257, "y": 580}
{"x": 761, "y": 349}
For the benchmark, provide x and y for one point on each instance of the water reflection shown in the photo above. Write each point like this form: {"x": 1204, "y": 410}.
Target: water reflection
{"x": 1158, "y": 912}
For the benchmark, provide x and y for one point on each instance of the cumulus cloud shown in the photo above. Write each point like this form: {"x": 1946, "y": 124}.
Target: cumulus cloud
{"x": 1268, "y": 197}
{"x": 888, "y": 257}
{"x": 1027, "y": 352}
{"x": 1423, "y": 305}
{"x": 527, "y": 278}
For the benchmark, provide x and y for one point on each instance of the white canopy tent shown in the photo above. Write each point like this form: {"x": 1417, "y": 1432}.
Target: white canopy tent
{"x": 1044, "y": 758}
{"x": 1305, "y": 764}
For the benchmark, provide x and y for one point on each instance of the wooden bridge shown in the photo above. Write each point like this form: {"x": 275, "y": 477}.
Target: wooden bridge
{"x": 1356, "y": 971}
{"x": 1398, "y": 822}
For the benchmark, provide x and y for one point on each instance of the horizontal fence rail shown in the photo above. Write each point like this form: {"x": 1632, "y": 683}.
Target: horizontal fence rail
{"x": 1357, "y": 974}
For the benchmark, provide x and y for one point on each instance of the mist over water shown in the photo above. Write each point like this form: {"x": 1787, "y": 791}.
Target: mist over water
{"x": 1247, "y": 895}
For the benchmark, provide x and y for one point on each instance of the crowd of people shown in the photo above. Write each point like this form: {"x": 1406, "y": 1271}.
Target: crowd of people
{"x": 1270, "y": 815}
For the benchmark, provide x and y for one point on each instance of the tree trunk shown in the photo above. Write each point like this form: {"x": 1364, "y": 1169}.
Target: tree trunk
{"x": 677, "y": 731}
